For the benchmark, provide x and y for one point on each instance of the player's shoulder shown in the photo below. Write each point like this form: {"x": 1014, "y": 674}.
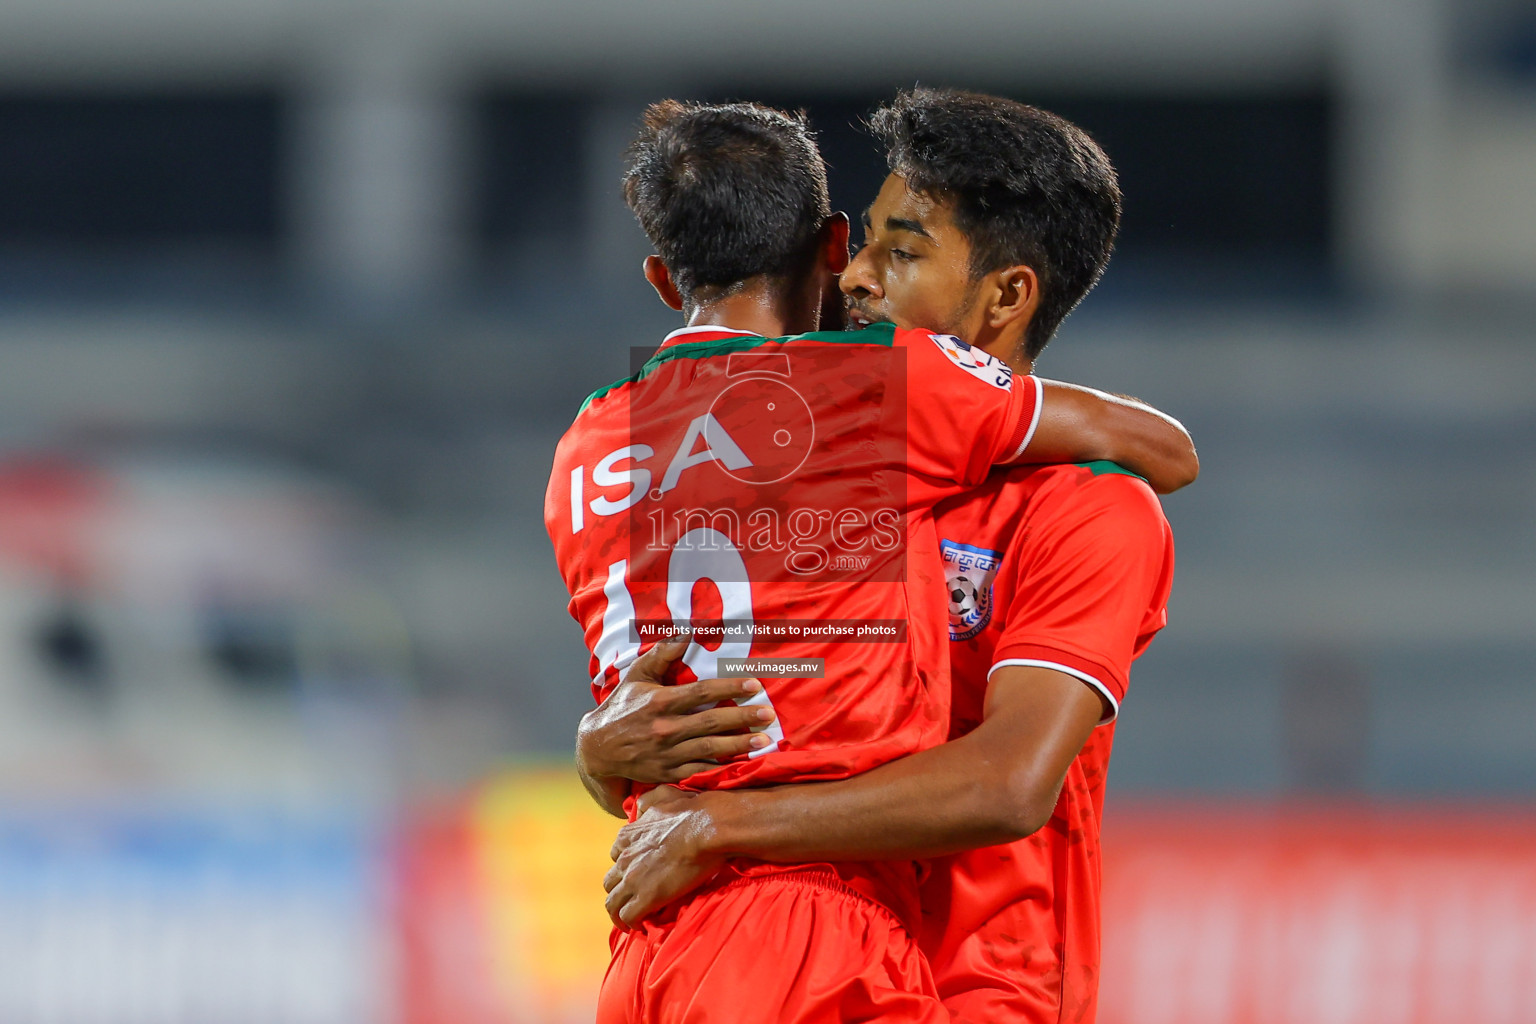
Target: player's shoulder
{"x": 602, "y": 421}
{"x": 887, "y": 335}
{"x": 604, "y": 393}
{"x": 883, "y": 335}
{"x": 1101, "y": 480}
{"x": 929, "y": 349}
{"x": 1053, "y": 486}
{"x": 1103, "y": 489}
{"x": 685, "y": 345}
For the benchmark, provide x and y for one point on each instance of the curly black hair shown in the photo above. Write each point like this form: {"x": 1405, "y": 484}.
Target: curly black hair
{"x": 1027, "y": 187}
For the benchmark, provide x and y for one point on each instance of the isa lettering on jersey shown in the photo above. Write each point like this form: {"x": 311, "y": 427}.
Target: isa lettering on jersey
{"x": 974, "y": 361}
{"x": 726, "y": 472}
{"x": 968, "y": 575}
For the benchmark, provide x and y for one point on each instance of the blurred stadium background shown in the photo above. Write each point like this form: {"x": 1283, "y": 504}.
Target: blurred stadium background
{"x": 296, "y": 298}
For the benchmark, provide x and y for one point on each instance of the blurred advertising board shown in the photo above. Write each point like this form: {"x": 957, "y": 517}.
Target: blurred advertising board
{"x": 1416, "y": 914}
{"x": 184, "y": 916}
{"x": 1214, "y": 914}
{"x": 488, "y": 910}
{"x": 501, "y": 902}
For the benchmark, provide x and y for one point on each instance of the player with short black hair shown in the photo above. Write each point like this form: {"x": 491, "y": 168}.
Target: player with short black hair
{"x": 1058, "y": 577}
{"x": 1026, "y": 186}
{"x": 726, "y": 193}
{"x": 666, "y": 505}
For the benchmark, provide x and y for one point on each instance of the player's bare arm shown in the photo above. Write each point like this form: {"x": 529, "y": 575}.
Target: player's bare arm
{"x": 965, "y": 412}
{"x": 996, "y": 784}
{"x": 648, "y": 731}
{"x": 1081, "y": 424}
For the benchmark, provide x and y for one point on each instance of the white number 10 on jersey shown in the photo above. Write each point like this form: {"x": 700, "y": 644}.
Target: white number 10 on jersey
{"x": 701, "y": 554}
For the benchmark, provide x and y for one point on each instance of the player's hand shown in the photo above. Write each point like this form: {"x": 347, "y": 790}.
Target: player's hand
{"x": 649, "y": 731}
{"x": 661, "y": 855}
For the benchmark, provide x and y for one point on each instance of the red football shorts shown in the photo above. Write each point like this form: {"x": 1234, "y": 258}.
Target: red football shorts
{"x": 1002, "y": 977}
{"x": 795, "y": 947}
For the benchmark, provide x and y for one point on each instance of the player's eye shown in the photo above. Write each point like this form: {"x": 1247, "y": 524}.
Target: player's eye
{"x": 903, "y": 255}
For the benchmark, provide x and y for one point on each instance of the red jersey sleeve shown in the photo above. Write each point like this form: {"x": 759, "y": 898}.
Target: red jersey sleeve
{"x": 1092, "y": 589}
{"x": 966, "y": 411}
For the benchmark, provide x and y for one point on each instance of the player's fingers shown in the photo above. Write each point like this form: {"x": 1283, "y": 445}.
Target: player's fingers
{"x": 615, "y": 903}
{"x": 710, "y": 691}
{"x": 633, "y": 910}
{"x": 708, "y": 749}
{"x": 652, "y": 666}
{"x": 620, "y": 843}
{"x": 612, "y": 878}
{"x": 723, "y": 720}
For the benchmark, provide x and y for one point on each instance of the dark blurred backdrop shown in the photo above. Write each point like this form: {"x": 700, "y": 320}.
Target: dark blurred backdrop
{"x": 296, "y": 300}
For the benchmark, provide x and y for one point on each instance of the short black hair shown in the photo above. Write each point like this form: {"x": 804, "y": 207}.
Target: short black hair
{"x": 726, "y": 192}
{"x": 1028, "y": 187}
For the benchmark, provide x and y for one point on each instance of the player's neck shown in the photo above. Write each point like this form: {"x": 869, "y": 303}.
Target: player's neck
{"x": 1010, "y": 349}
{"x": 762, "y": 308}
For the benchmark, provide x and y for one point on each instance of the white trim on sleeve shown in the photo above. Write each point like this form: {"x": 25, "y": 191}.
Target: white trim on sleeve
{"x": 1114, "y": 705}
{"x": 1034, "y": 421}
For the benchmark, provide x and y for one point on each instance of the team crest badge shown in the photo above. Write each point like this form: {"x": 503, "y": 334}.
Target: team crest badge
{"x": 968, "y": 575}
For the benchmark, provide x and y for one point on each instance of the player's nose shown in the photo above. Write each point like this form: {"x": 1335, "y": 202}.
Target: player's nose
{"x": 859, "y": 280}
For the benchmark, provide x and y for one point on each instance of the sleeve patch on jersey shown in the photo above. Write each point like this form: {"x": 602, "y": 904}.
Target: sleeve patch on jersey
{"x": 974, "y": 361}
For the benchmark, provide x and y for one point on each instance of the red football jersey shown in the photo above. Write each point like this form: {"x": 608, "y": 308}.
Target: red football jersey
{"x": 777, "y": 494}
{"x": 1063, "y": 567}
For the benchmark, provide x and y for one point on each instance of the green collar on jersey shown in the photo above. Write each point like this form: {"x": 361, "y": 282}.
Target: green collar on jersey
{"x": 1103, "y": 466}
{"x": 874, "y": 334}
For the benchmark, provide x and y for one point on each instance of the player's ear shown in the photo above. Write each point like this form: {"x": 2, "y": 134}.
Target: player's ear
{"x": 1015, "y": 295}
{"x": 660, "y": 277}
{"x": 834, "y": 242}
